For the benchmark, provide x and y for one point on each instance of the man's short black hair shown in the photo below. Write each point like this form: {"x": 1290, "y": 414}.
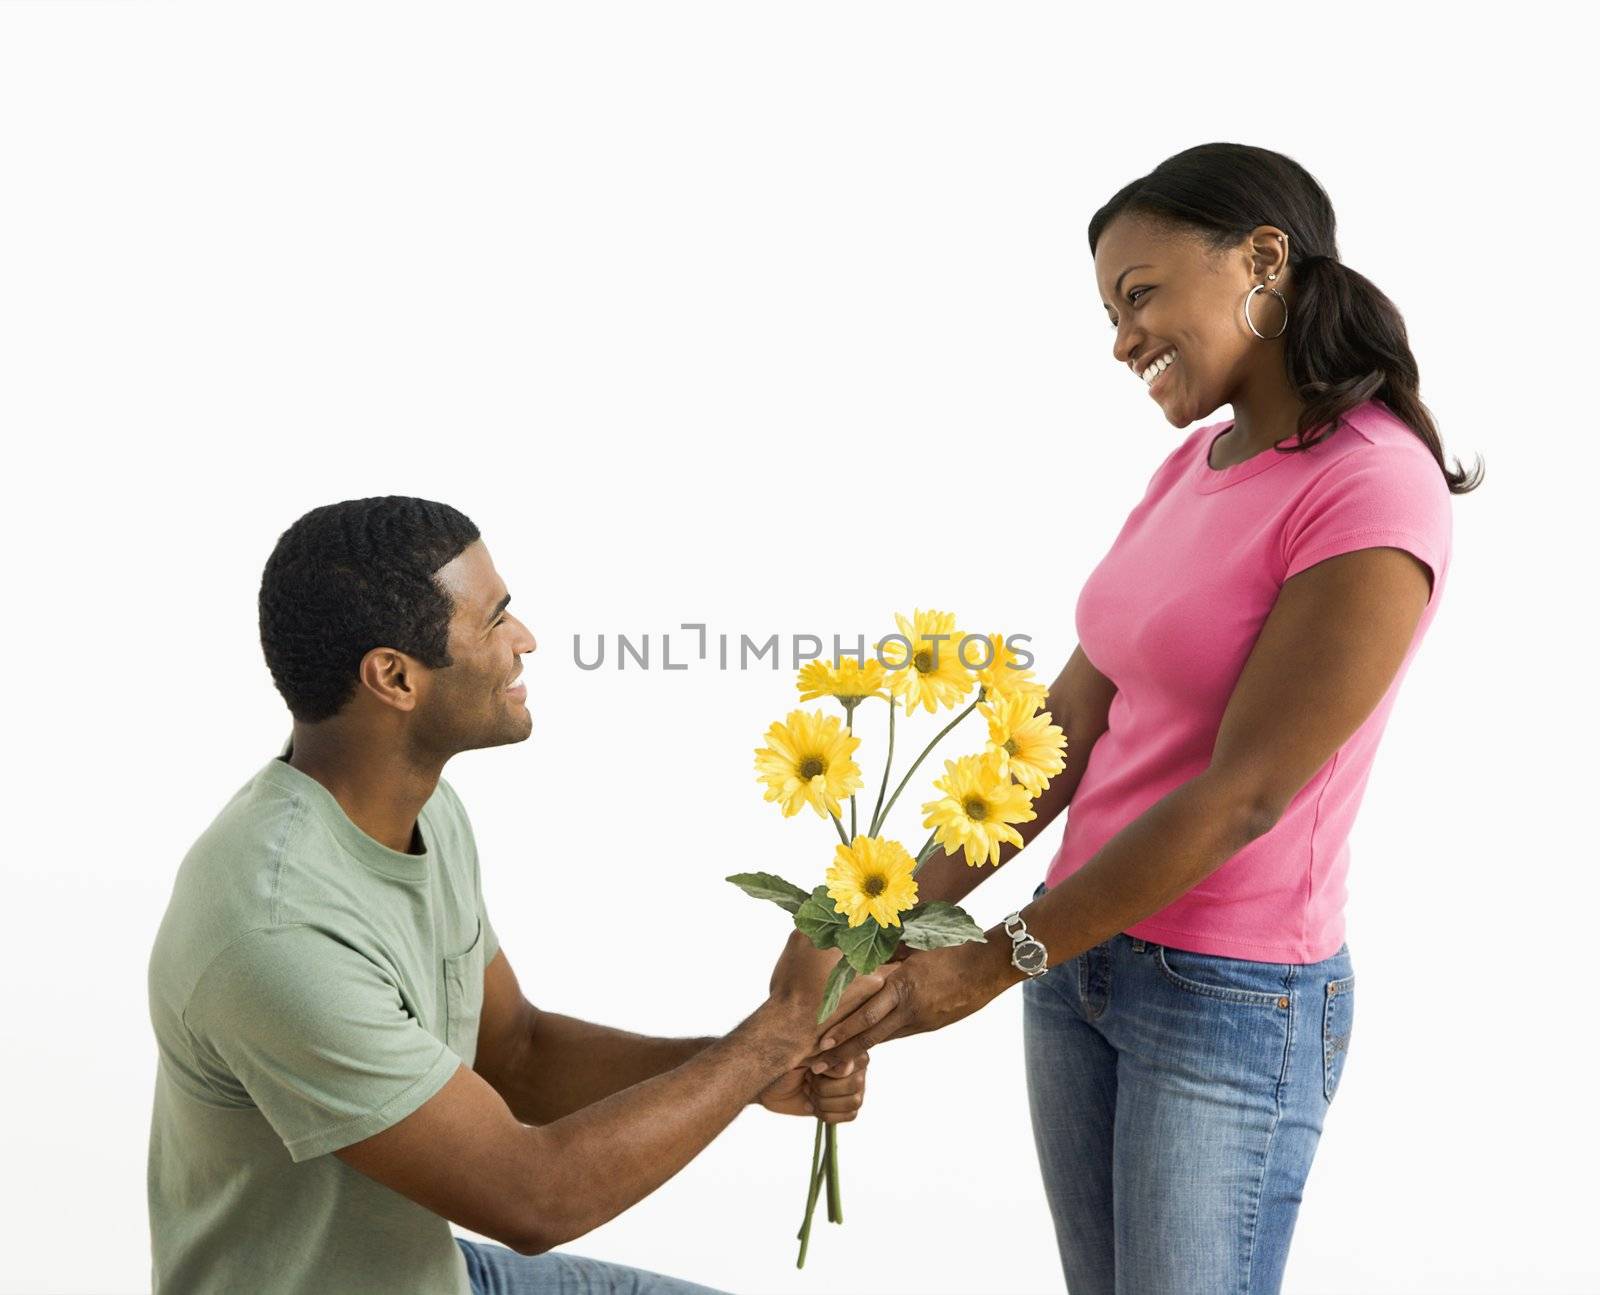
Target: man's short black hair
{"x": 347, "y": 578}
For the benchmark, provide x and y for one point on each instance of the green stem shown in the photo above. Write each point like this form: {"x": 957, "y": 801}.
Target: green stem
{"x": 877, "y": 809}
{"x": 831, "y": 1164}
{"x": 840, "y": 826}
{"x": 850, "y": 727}
{"x": 926, "y": 852}
{"x": 813, "y": 1186}
{"x": 939, "y": 737}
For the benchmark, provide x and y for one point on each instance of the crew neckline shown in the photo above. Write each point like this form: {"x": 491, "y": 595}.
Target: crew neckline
{"x": 1208, "y": 479}
{"x": 363, "y": 848}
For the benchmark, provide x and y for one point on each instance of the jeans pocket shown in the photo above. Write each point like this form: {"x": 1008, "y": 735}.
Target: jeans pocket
{"x": 1338, "y": 1015}
{"x": 1235, "y": 980}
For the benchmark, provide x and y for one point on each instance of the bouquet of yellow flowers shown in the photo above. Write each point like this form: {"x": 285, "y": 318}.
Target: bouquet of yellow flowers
{"x": 868, "y": 905}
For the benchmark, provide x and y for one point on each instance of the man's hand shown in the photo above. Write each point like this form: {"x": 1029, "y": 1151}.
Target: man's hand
{"x": 802, "y": 970}
{"x": 836, "y": 1100}
{"x": 797, "y": 985}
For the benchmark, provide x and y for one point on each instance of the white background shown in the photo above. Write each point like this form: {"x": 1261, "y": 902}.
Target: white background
{"x": 780, "y": 318}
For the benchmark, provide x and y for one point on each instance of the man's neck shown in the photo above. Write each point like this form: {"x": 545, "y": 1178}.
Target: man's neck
{"x": 379, "y": 790}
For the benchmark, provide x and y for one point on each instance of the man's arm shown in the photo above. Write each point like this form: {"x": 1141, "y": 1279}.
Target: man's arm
{"x": 465, "y": 1155}
{"x": 546, "y": 1066}
{"x": 1080, "y": 702}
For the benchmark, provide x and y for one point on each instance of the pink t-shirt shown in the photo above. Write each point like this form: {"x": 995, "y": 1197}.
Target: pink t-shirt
{"x": 1171, "y": 614}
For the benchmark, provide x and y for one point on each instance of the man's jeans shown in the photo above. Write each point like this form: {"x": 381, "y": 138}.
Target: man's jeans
{"x": 1177, "y": 1101}
{"x": 496, "y": 1270}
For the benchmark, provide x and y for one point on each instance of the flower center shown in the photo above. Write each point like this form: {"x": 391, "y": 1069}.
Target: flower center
{"x": 811, "y": 766}
{"x": 976, "y": 808}
{"x": 923, "y": 660}
{"x": 1011, "y": 746}
{"x": 873, "y": 885}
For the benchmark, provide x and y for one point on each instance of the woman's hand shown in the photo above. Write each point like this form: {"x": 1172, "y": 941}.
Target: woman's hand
{"x": 926, "y": 990}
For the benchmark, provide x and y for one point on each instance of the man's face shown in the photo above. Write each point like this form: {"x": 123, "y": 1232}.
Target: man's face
{"x": 478, "y": 701}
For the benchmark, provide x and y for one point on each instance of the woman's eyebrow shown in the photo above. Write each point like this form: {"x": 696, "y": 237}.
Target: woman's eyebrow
{"x": 1116, "y": 288}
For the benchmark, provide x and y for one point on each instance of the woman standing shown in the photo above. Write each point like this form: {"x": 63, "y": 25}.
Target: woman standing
{"x": 1240, "y": 648}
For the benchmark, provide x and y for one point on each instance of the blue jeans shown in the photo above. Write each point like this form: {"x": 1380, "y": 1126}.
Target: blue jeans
{"x": 496, "y": 1270}
{"x": 1177, "y": 1101}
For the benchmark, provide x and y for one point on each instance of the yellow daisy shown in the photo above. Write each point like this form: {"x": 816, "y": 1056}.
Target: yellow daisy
{"x": 1001, "y": 677}
{"x": 807, "y": 761}
{"x": 1029, "y": 746}
{"x": 850, "y": 681}
{"x": 871, "y": 877}
{"x": 935, "y": 676}
{"x": 978, "y": 808}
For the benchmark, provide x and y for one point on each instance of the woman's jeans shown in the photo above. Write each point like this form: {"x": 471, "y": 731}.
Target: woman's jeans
{"x": 495, "y": 1270}
{"x": 1177, "y": 1099}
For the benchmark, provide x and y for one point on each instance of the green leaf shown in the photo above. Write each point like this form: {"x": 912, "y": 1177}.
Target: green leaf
{"x": 763, "y": 885}
{"x": 868, "y": 946}
{"x": 939, "y": 924}
{"x": 841, "y": 975}
{"x": 821, "y": 922}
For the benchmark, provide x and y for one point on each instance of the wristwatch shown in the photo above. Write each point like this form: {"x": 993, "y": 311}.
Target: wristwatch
{"x": 1027, "y": 954}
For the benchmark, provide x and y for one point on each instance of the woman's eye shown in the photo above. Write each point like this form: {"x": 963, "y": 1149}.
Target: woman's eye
{"x": 1133, "y": 298}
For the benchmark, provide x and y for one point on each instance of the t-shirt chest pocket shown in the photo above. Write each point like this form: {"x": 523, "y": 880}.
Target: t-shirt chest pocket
{"x": 463, "y": 998}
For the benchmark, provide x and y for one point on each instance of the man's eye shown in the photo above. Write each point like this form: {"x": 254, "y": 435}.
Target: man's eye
{"x": 1132, "y": 293}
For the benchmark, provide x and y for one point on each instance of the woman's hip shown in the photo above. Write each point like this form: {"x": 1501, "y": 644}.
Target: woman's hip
{"x": 1270, "y": 1034}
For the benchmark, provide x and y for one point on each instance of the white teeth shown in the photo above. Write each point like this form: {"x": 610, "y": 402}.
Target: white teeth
{"x": 1161, "y": 363}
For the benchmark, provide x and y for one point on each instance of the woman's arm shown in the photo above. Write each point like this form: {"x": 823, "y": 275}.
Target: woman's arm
{"x": 1080, "y": 702}
{"x": 1326, "y": 656}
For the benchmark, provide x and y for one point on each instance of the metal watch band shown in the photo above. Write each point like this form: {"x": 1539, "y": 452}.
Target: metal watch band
{"x": 1028, "y": 955}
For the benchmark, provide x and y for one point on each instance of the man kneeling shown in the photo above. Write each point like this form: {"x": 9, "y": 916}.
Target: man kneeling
{"x": 326, "y": 978}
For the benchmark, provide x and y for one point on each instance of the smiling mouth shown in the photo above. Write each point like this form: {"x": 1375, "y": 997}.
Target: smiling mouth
{"x": 1156, "y": 371}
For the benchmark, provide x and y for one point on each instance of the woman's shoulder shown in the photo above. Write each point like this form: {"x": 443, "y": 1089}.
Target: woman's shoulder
{"x": 1373, "y": 423}
{"x": 1376, "y": 443}
{"x": 1373, "y": 480}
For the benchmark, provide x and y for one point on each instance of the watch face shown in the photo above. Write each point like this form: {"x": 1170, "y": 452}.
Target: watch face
{"x": 1029, "y": 956}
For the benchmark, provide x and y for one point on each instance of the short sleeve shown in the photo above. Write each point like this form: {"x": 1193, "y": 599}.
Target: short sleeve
{"x": 1376, "y": 496}
{"x": 317, "y": 1035}
{"x": 491, "y": 941}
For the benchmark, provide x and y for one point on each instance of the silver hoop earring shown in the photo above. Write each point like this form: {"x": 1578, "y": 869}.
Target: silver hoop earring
{"x": 1276, "y": 294}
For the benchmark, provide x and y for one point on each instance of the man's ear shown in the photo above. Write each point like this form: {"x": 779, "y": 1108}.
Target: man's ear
{"x": 391, "y": 676}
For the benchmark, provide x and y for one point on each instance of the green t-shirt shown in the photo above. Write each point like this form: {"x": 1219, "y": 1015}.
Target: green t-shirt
{"x": 309, "y": 987}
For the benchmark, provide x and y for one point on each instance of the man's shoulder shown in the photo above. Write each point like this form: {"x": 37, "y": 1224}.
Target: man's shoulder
{"x": 229, "y": 882}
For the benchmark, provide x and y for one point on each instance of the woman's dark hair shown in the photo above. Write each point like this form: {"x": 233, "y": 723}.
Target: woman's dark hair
{"x": 347, "y": 578}
{"x": 1345, "y": 342}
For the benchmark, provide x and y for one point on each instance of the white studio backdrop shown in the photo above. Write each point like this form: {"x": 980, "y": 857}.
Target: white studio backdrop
{"x": 780, "y": 319}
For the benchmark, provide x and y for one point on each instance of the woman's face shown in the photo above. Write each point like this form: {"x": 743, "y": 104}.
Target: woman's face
{"x": 1166, "y": 294}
